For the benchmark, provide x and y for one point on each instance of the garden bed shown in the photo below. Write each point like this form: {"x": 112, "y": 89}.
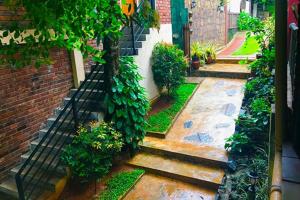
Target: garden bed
{"x": 249, "y": 47}
{"x": 164, "y": 111}
{"x": 114, "y": 186}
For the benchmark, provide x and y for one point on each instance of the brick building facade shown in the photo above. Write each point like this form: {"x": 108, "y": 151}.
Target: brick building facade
{"x": 27, "y": 98}
{"x": 164, "y": 9}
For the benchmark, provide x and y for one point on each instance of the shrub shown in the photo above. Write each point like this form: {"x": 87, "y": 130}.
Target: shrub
{"x": 237, "y": 143}
{"x": 168, "y": 66}
{"x": 246, "y": 22}
{"x": 128, "y": 103}
{"x": 90, "y": 155}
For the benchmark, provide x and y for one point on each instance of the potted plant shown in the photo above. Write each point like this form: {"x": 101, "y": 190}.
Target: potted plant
{"x": 198, "y": 55}
{"x": 211, "y": 54}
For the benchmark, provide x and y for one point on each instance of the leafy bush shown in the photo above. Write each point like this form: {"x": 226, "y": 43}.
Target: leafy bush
{"x": 168, "y": 66}
{"x": 119, "y": 184}
{"x": 237, "y": 143}
{"x": 90, "y": 154}
{"x": 128, "y": 103}
{"x": 246, "y": 22}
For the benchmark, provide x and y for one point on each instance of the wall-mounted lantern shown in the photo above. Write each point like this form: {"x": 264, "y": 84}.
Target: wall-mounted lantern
{"x": 193, "y": 4}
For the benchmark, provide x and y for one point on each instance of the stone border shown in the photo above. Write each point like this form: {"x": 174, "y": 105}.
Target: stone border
{"x": 164, "y": 134}
{"x": 129, "y": 189}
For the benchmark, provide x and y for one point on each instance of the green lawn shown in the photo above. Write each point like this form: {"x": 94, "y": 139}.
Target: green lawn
{"x": 119, "y": 184}
{"x": 160, "y": 121}
{"x": 249, "y": 47}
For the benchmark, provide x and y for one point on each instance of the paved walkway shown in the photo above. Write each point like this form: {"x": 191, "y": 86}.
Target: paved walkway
{"x": 236, "y": 43}
{"x": 189, "y": 163}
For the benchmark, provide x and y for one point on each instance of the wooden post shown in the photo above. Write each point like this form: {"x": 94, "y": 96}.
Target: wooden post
{"x": 77, "y": 67}
{"x": 281, "y": 93}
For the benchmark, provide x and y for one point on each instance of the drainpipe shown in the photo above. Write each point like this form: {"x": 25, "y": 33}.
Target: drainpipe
{"x": 281, "y": 94}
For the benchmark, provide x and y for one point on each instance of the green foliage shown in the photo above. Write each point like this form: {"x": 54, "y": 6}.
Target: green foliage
{"x": 160, "y": 121}
{"x": 119, "y": 184}
{"x": 128, "y": 103}
{"x": 198, "y": 50}
{"x": 238, "y": 143}
{"x": 249, "y": 47}
{"x": 168, "y": 67}
{"x": 57, "y": 23}
{"x": 211, "y": 50}
{"x": 246, "y": 22}
{"x": 240, "y": 180}
{"x": 90, "y": 154}
{"x": 147, "y": 16}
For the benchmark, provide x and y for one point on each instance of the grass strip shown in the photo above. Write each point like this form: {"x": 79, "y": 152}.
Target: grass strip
{"x": 119, "y": 184}
{"x": 160, "y": 121}
{"x": 249, "y": 47}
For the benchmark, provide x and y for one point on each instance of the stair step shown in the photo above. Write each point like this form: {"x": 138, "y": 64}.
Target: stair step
{"x": 49, "y": 147}
{"x": 91, "y": 105}
{"x": 128, "y": 52}
{"x": 88, "y": 93}
{"x": 58, "y": 134}
{"x": 185, "y": 151}
{"x": 67, "y": 123}
{"x": 94, "y": 84}
{"x": 128, "y": 44}
{"x": 234, "y": 59}
{"x": 8, "y": 189}
{"x": 127, "y": 30}
{"x": 202, "y": 175}
{"x": 48, "y": 183}
{"x": 52, "y": 167}
{"x": 126, "y": 37}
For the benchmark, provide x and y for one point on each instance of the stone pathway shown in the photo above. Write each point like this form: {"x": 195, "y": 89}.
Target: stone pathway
{"x": 236, "y": 43}
{"x": 189, "y": 163}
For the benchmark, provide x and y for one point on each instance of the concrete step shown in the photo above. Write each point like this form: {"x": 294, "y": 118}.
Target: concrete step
{"x": 185, "y": 151}
{"x": 48, "y": 183}
{"x": 202, "y": 175}
{"x": 57, "y": 135}
{"x": 91, "y": 94}
{"x": 8, "y": 189}
{"x": 128, "y": 52}
{"x": 128, "y": 44}
{"x": 50, "y": 148}
{"x": 94, "y": 84}
{"x": 127, "y": 30}
{"x": 127, "y": 37}
{"x": 235, "y": 71}
{"x": 49, "y": 165}
{"x": 89, "y": 104}
{"x": 234, "y": 59}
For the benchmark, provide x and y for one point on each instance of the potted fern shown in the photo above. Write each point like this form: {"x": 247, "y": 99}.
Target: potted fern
{"x": 198, "y": 55}
{"x": 211, "y": 54}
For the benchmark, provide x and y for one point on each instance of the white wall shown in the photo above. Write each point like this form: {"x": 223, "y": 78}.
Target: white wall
{"x": 234, "y": 6}
{"x": 143, "y": 58}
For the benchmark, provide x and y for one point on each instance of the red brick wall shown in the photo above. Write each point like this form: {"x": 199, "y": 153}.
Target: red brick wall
{"x": 27, "y": 98}
{"x": 164, "y": 9}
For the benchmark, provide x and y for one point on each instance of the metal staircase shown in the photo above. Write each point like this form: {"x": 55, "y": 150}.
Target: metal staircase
{"x": 41, "y": 167}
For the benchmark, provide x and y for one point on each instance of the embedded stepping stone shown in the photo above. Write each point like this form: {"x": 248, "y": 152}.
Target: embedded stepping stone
{"x": 188, "y": 124}
{"x": 186, "y": 151}
{"x": 228, "y": 109}
{"x": 199, "y": 138}
{"x": 207, "y": 176}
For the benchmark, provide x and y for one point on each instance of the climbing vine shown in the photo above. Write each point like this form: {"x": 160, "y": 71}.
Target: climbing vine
{"x": 66, "y": 24}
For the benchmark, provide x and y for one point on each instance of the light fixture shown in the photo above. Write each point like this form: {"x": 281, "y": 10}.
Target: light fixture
{"x": 253, "y": 178}
{"x": 193, "y": 4}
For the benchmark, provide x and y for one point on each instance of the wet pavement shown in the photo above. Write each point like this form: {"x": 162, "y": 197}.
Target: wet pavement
{"x": 152, "y": 187}
{"x": 211, "y": 113}
{"x": 189, "y": 162}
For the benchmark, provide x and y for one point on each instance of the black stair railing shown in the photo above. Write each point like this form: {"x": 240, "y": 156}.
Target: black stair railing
{"x": 137, "y": 28}
{"x": 44, "y": 160}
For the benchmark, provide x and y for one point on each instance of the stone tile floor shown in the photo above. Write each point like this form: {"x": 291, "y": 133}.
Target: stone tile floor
{"x": 290, "y": 173}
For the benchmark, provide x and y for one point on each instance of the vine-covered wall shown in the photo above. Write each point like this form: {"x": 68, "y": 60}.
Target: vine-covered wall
{"x": 27, "y": 98}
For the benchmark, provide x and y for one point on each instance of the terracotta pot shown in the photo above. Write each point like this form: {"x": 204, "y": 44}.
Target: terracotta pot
{"x": 195, "y": 62}
{"x": 209, "y": 60}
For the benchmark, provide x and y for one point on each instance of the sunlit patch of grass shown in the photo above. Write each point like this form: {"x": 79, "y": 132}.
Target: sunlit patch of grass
{"x": 249, "y": 47}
